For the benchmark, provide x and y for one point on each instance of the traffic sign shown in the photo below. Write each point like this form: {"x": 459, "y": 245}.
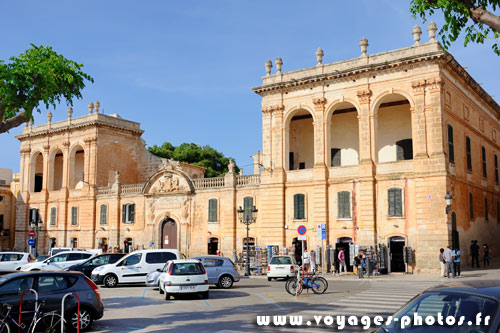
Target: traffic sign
{"x": 301, "y": 238}
{"x": 321, "y": 231}
{"x": 31, "y": 242}
{"x": 31, "y": 233}
{"x": 302, "y": 230}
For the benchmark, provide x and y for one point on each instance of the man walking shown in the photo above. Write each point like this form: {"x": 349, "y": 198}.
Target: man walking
{"x": 456, "y": 261}
{"x": 341, "y": 258}
{"x": 448, "y": 258}
{"x": 474, "y": 252}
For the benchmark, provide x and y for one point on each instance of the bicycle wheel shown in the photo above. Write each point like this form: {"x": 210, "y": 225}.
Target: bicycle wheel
{"x": 4, "y": 327}
{"x": 318, "y": 285}
{"x": 291, "y": 286}
{"x": 48, "y": 323}
{"x": 324, "y": 280}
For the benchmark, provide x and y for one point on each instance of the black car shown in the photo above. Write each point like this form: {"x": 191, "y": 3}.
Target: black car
{"x": 87, "y": 266}
{"x": 453, "y": 307}
{"x": 51, "y": 287}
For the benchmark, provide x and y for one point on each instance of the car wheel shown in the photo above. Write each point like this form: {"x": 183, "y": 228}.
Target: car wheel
{"x": 86, "y": 320}
{"x": 204, "y": 295}
{"x": 269, "y": 279}
{"x": 161, "y": 290}
{"x": 167, "y": 296}
{"x": 225, "y": 281}
{"x": 110, "y": 281}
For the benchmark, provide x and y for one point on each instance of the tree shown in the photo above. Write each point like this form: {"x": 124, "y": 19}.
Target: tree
{"x": 214, "y": 162}
{"x": 474, "y": 17}
{"x": 39, "y": 75}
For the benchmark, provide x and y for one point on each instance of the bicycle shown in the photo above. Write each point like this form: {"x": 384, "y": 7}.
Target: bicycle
{"x": 41, "y": 322}
{"x": 294, "y": 286}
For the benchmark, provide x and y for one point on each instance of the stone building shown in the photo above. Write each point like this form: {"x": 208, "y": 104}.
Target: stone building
{"x": 7, "y": 208}
{"x": 368, "y": 146}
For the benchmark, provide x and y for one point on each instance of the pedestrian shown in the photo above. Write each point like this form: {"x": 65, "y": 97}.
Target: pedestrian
{"x": 312, "y": 255}
{"x": 474, "y": 252}
{"x": 456, "y": 261}
{"x": 448, "y": 258}
{"x": 342, "y": 265}
{"x": 486, "y": 258}
{"x": 442, "y": 262}
{"x": 357, "y": 262}
{"x": 218, "y": 253}
{"x": 305, "y": 260}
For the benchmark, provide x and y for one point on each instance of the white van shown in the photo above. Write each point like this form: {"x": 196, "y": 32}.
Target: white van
{"x": 134, "y": 267}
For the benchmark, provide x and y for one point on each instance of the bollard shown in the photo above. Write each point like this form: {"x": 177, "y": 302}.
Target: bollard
{"x": 21, "y": 304}
{"x": 78, "y": 312}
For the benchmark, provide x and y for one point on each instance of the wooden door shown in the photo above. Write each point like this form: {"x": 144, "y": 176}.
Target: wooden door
{"x": 169, "y": 235}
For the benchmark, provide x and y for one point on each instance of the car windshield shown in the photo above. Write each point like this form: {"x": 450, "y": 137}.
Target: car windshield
{"x": 187, "y": 268}
{"x": 281, "y": 261}
{"x": 444, "y": 312}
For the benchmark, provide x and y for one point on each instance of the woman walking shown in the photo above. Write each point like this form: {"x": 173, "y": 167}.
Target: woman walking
{"x": 442, "y": 263}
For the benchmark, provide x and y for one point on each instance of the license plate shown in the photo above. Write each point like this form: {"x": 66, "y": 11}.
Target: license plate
{"x": 280, "y": 267}
{"x": 187, "y": 287}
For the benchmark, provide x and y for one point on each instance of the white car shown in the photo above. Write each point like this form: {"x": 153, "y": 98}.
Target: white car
{"x": 58, "y": 262}
{"x": 134, "y": 267}
{"x": 185, "y": 276}
{"x": 281, "y": 267}
{"x": 14, "y": 260}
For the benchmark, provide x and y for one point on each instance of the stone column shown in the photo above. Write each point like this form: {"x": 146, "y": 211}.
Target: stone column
{"x": 434, "y": 116}
{"x": 63, "y": 224}
{"x": 319, "y": 132}
{"x": 278, "y": 137}
{"x": 364, "y": 124}
{"x": 418, "y": 123}
{"x": 116, "y": 190}
{"x": 267, "y": 150}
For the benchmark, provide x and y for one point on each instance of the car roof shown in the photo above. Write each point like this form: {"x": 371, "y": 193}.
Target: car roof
{"x": 69, "y": 252}
{"x": 489, "y": 288}
{"x": 38, "y": 273}
{"x": 183, "y": 261}
{"x": 9, "y": 252}
{"x": 210, "y": 257}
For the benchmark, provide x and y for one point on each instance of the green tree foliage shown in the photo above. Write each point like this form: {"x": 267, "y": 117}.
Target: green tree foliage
{"x": 473, "y": 17}
{"x": 214, "y": 162}
{"x": 37, "y": 76}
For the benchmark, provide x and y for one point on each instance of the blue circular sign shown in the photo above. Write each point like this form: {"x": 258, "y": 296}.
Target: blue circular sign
{"x": 302, "y": 230}
{"x": 31, "y": 242}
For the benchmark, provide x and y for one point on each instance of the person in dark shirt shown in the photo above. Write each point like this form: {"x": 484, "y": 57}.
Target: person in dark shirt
{"x": 486, "y": 258}
{"x": 474, "y": 252}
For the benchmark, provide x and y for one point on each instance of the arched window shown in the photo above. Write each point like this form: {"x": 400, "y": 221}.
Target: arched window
{"x": 212, "y": 210}
{"x": 77, "y": 171}
{"x": 37, "y": 173}
{"x": 395, "y": 202}
{"x": 299, "y": 211}
{"x": 344, "y": 204}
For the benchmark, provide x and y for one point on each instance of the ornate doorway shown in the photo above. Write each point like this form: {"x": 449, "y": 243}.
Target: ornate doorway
{"x": 168, "y": 234}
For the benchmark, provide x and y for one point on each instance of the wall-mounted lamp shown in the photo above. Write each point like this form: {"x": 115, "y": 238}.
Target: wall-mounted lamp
{"x": 448, "y": 198}
{"x": 286, "y": 227}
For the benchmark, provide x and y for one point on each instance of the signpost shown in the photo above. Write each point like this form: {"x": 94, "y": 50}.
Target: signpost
{"x": 31, "y": 242}
{"x": 302, "y": 237}
{"x": 31, "y": 233}
{"x": 321, "y": 231}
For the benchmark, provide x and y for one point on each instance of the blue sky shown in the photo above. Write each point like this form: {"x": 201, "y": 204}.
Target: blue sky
{"x": 185, "y": 69}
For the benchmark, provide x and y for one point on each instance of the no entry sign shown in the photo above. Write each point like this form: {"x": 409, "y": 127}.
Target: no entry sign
{"x": 302, "y": 230}
{"x": 31, "y": 233}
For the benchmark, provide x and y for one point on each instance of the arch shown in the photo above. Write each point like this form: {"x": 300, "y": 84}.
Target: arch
{"x": 176, "y": 171}
{"x": 76, "y": 166}
{"x": 342, "y": 134}
{"x": 299, "y": 138}
{"x": 393, "y": 127}
{"x": 383, "y": 95}
{"x": 56, "y": 169}
{"x": 37, "y": 176}
{"x": 169, "y": 234}
{"x": 396, "y": 249}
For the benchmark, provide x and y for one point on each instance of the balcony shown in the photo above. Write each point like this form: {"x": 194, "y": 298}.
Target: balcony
{"x": 299, "y": 175}
{"x": 405, "y": 166}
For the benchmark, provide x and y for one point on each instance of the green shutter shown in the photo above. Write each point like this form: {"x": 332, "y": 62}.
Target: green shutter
{"x": 344, "y": 204}
{"x": 124, "y": 213}
{"x": 104, "y": 213}
{"x": 74, "y": 215}
{"x": 53, "y": 215}
{"x": 212, "y": 210}
{"x": 391, "y": 202}
{"x": 399, "y": 203}
{"x": 131, "y": 215}
{"x": 395, "y": 202}
{"x": 248, "y": 206}
{"x": 299, "y": 211}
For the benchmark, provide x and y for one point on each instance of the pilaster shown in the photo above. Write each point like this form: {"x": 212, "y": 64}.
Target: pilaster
{"x": 418, "y": 120}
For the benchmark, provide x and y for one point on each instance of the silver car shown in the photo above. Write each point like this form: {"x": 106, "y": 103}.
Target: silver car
{"x": 220, "y": 270}
{"x": 153, "y": 277}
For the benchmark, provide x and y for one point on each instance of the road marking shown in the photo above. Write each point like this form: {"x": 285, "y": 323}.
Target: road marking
{"x": 143, "y": 293}
{"x": 270, "y": 301}
{"x": 206, "y": 303}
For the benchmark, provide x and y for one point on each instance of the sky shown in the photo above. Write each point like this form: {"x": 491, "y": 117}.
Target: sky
{"x": 185, "y": 69}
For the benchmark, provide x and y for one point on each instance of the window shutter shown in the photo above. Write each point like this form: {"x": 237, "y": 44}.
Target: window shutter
{"x": 471, "y": 207}
{"x": 212, "y": 210}
{"x": 451, "y": 151}
{"x": 486, "y": 209}
{"x": 483, "y": 156}
{"x": 248, "y": 205}
{"x": 124, "y": 213}
{"x": 391, "y": 202}
{"x": 295, "y": 207}
{"x": 53, "y": 215}
{"x": 496, "y": 168}
{"x": 299, "y": 206}
{"x": 74, "y": 215}
{"x": 340, "y": 204}
{"x": 132, "y": 213}
{"x": 104, "y": 211}
{"x": 469, "y": 156}
{"x": 336, "y": 157}
{"x": 398, "y": 207}
{"x": 347, "y": 205}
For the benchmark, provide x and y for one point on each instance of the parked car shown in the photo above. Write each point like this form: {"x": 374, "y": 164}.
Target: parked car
{"x": 220, "y": 270}
{"x": 51, "y": 287}
{"x": 88, "y": 266}
{"x": 153, "y": 278}
{"x": 281, "y": 267}
{"x": 55, "y": 250}
{"x": 134, "y": 267}
{"x": 185, "y": 276}
{"x": 58, "y": 262}
{"x": 14, "y": 260}
{"x": 456, "y": 299}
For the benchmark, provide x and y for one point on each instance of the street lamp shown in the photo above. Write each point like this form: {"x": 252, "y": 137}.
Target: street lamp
{"x": 448, "y": 198}
{"x": 36, "y": 223}
{"x": 247, "y": 219}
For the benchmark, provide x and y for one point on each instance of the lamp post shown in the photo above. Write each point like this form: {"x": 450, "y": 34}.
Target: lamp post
{"x": 448, "y": 198}
{"x": 35, "y": 223}
{"x": 247, "y": 219}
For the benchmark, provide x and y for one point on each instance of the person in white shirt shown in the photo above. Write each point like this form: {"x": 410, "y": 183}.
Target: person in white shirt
{"x": 448, "y": 259}
{"x": 305, "y": 260}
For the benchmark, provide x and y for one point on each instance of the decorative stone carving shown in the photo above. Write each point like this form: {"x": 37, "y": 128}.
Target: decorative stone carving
{"x": 447, "y": 98}
{"x": 168, "y": 183}
{"x": 46, "y": 147}
{"x": 91, "y": 108}
{"x": 168, "y": 164}
{"x": 481, "y": 124}
{"x": 416, "y": 32}
{"x": 364, "y": 96}
{"x": 185, "y": 210}
{"x": 319, "y": 56}
{"x": 279, "y": 64}
{"x": 418, "y": 87}
{"x": 269, "y": 65}
{"x": 97, "y": 106}
{"x": 431, "y": 28}
{"x": 494, "y": 135}
{"x": 364, "y": 46}
{"x": 273, "y": 108}
{"x": 466, "y": 112}
{"x": 319, "y": 103}
{"x": 117, "y": 177}
{"x": 49, "y": 117}
{"x": 231, "y": 166}
{"x": 151, "y": 210}
{"x": 25, "y": 150}
{"x": 70, "y": 112}
{"x": 66, "y": 144}
{"x": 435, "y": 84}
